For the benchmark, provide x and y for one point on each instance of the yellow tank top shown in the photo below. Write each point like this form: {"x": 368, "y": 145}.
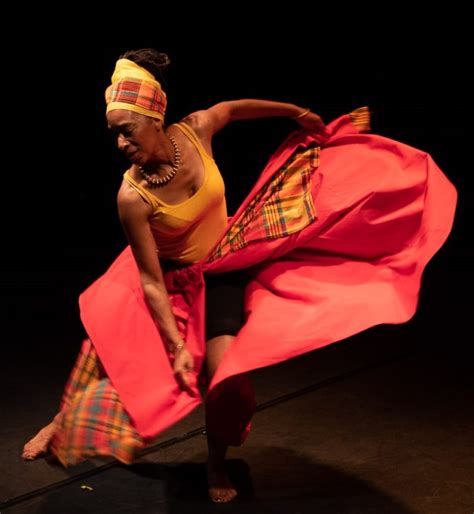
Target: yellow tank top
{"x": 188, "y": 231}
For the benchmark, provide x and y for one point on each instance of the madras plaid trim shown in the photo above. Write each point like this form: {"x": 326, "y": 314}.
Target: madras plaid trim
{"x": 87, "y": 369}
{"x": 282, "y": 207}
{"x": 142, "y": 94}
{"x": 94, "y": 420}
{"x": 360, "y": 118}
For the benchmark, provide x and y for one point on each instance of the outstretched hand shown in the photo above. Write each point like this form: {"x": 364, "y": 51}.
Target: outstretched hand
{"x": 313, "y": 122}
{"x": 183, "y": 366}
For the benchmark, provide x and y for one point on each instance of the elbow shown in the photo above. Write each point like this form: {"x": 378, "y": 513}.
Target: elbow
{"x": 233, "y": 112}
{"x": 227, "y": 111}
{"x": 154, "y": 289}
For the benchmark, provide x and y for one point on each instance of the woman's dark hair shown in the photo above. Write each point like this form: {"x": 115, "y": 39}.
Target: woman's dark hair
{"x": 150, "y": 59}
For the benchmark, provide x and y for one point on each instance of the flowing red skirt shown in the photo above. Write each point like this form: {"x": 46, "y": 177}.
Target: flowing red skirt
{"x": 337, "y": 233}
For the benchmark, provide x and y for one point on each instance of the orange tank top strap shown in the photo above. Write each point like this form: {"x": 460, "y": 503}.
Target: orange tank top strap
{"x": 189, "y": 132}
{"x": 146, "y": 195}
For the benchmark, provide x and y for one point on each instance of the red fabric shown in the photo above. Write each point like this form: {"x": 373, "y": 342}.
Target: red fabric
{"x": 129, "y": 345}
{"x": 383, "y": 210}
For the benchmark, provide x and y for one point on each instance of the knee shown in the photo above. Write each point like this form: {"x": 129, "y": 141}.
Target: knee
{"x": 215, "y": 349}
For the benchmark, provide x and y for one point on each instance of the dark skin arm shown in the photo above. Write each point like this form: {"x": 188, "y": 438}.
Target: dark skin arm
{"x": 134, "y": 213}
{"x": 207, "y": 122}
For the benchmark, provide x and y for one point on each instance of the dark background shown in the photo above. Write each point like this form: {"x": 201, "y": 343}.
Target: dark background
{"x": 61, "y": 229}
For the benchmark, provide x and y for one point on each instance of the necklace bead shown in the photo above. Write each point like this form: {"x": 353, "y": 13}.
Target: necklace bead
{"x": 161, "y": 181}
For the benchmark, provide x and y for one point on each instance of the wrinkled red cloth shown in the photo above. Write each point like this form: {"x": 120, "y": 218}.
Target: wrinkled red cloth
{"x": 383, "y": 209}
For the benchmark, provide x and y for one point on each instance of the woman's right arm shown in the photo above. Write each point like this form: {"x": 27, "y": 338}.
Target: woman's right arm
{"x": 134, "y": 213}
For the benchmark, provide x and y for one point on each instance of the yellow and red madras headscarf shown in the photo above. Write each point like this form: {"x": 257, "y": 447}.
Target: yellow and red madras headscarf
{"x": 135, "y": 89}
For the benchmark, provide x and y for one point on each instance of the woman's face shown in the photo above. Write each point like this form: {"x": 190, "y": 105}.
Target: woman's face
{"x": 135, "y": 135}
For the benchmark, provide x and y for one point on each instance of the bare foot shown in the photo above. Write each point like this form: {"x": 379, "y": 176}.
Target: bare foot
{"x": 38, "y": 446}
{"x": 220, "y": 488}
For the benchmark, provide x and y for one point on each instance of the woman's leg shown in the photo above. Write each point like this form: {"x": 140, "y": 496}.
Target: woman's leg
{"x": 224, "y": 318}
{"x": 221, "y": 489}
{"x": 86, "y": 370}
{"x": 38, "y": 445}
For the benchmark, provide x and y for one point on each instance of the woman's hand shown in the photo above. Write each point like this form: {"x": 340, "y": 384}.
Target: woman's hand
{"x": 311, "y": 121}
{"x": 183, "y": 366}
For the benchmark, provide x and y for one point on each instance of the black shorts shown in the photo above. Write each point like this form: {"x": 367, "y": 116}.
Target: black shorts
{"x": 225, "y": 302}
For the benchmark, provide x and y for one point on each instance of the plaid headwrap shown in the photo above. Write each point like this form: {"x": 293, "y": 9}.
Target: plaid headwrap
{"x": 135, "y": 89}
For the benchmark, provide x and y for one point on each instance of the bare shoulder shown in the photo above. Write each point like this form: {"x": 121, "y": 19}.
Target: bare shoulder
{"x": 201, "y": 122}
{"x": 126, "y": 196}
{"x": 130, "y": 204}
{"x": 207, "y": 122}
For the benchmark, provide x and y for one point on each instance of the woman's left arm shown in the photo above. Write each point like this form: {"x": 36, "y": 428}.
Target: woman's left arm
{"x": 219, "y": 115}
